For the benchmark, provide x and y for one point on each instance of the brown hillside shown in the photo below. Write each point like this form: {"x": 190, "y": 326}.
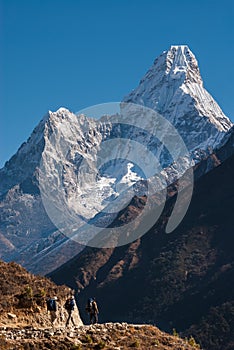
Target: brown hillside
{"x": 23, "y": 297}
{"x": 25, "y": 324}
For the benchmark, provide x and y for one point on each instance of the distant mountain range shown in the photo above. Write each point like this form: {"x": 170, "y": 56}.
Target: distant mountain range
{"x": 173, "y": 87}
{"x": 182, "y": 280}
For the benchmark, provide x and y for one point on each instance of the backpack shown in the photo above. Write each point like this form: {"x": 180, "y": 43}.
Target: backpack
{"x": 89, "y": 305}
{"x": 70, "y": 304}
{"x": 51, "y": 305}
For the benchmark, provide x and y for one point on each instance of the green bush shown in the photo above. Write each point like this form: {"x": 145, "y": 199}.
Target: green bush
{"x": 88, "y": 339}
{"x": 135, "y": 344}
{"x": 192, "y": 342}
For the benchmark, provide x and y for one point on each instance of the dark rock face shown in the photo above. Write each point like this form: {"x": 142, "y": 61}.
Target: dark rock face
{"x": 183, "y": 280}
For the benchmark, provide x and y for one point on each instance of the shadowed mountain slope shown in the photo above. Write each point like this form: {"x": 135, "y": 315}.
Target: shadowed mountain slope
{"x": 183, "y": 280}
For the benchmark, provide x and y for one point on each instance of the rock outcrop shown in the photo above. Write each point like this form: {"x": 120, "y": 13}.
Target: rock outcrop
{"x": 111, "y": 336}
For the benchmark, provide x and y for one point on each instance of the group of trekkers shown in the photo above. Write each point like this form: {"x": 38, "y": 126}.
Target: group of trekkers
{"x": 91, "y": 308}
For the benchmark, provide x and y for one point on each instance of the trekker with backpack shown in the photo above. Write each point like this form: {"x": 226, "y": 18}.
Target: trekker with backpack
{"x": 92, "y": 310}
{"x": 52, "y": 308}
{"x": 70, "y": 306}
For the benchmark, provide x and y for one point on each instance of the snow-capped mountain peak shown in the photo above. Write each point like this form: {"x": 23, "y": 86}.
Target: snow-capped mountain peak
{"x": 181, "y": 63}
{"x": 173, "y": 87}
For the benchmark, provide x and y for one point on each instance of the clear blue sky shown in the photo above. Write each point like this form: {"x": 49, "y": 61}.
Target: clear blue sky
{"x": 76, "y": 53}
